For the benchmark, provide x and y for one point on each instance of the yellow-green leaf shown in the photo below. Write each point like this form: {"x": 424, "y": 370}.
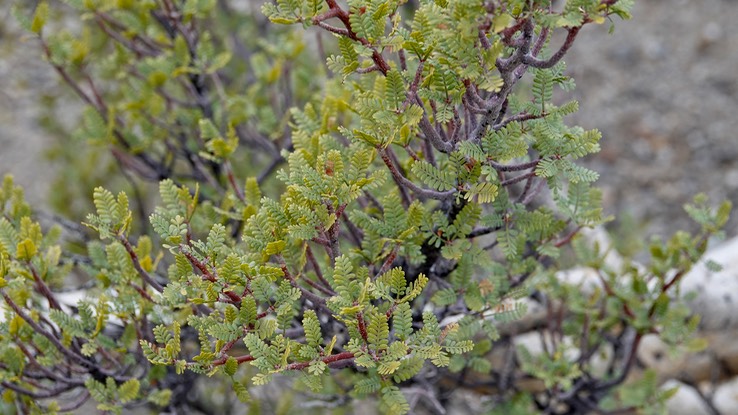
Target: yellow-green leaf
{"x": 499, "y": 23}
{"x": 26, "y": 249}
{"x": 128, "y": 391}
{"x": 275, "y": 247}
{"x": 231, "y": 366}
{"x": 697, "y": 344}
{"x": 39, "y": 17}
{"x": 219, "y": 61}
{"x": 3, "y": 267}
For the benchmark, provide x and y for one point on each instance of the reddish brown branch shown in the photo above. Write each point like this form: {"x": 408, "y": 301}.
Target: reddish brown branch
{"x": 265, "y": 313}
{"x": 240, "y": 359}
{"x": 327, "y": 360}
{"x": 316, "y": 266}
{"x": 568, "y": 237}
{"x": 208, "y": 275}
{"x": 199, "y": 265}
{"x": 389, "y": 261}
{"x": 362, "y": 327}
{"x": 232, "y": 180}
{"x": 292, "y": 366}
{"x": 610, "y": 292}
{"x": 517, "y": 118}
{"x": 336, "y": 11}
{"x": 141, "y": 291}
{"x": 43, "y": 288}
{"x": 317, "y": 300}
{"x": 137, "y": 264}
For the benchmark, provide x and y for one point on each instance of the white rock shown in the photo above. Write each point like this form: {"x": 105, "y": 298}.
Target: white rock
{"x": 586, "y": 278}
{"x": 654, "y": 353}
{"x": 717, "y": 292}
{"x": 687, "y": 400}
{"x": 725, "y": 399}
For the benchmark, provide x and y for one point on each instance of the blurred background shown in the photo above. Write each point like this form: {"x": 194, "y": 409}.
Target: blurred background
{"x": 663, "y": 89}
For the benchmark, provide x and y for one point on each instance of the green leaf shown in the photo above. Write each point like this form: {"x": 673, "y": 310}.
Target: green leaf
{"x": 402, "y": 321}
{"x": 219, "y": 62}
{"x": 378, "y": 332}
{"x": 393, "y": 401}
{"x": 312, "y": 328}
{"x": 437, "y": 179}
{"x": 367, "y": 385}
{"x": 231, "y": 366}
{"x": 445, "y": 297}
{"x": 501, "y": 21}
{"x": 208, "y": 131}
{"x": 275, "y": 247}
{"x": 241, "y": 392}
{"x": 395, "y": 90}
{"x": 160, "y": 397}
{"x": 128, "y": 390}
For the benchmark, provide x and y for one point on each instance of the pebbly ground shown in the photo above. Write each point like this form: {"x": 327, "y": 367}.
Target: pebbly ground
{"x": 663, "y": 89}
{"x": 23, "y": 78}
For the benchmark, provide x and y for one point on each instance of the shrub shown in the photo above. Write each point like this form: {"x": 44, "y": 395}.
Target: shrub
{"x": 375, "y": 226}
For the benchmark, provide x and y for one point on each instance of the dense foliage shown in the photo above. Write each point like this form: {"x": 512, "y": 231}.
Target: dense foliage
{"x": 374, "y": 226}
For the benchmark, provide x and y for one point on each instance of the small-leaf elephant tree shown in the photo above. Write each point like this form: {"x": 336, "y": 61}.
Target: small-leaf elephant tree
{"x": 368, "y": 202}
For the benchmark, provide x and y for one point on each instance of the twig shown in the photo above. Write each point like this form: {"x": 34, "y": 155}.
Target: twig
{"x": 430, "y": 132}
{"x": 523, "y": 116}
{"x": 483, "y": 231}
{"x": 517, "y": 179}
{"x": 269, "y": 169}
{"x": 433, "y": 194}
{"x": 137, "y": 264}
{"x": 568, "y": 237}
{"x": 319, "y": 287}
{"x": 530, "y": 60}
{"x": 327, "y": 360}
{"x": 43, "y": 288}
{"x": 356, "y": 234}
{"x": 526, "y": 189}
{"x": 333, "y": 29}
{"x": 79, "y": 359}
{"x": 389, "y": 261}
{"x": 629, "y": 361}
{"x": 316, "y": 267}
{"x": 232, "y": 180}
{"x": 362, "y": 327}
{"x": 315, "y": 299}
{"x": 81, "y": 399}
{"x": 537, "y": 189}
{"x": 37, "y": 395}
{"x": 207, "y": 273}
{"x": 515, "y": 167}
{"x": 239, "y": 359}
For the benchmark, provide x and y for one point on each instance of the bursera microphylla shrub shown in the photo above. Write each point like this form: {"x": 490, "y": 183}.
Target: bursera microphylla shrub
{"x": 363, "y": 204}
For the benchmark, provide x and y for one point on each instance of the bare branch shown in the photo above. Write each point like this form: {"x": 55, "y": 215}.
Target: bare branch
{"x": 531, "y": 60}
